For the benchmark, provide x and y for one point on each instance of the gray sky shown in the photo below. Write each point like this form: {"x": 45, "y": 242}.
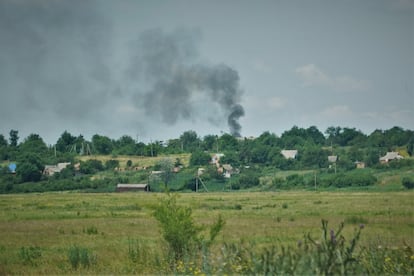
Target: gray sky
{"x": 154, "y": 69}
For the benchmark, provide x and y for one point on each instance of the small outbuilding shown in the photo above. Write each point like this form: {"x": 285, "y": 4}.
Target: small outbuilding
{"x": 360, "y": 164}
{"x": 132, "y": 188}
{"x": 289, "y": 154}
{"x": 332, "y": 158}
{"x": 392, "y": 155}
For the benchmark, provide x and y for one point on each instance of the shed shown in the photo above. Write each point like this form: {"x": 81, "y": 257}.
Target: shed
{"x": 392, "y": 155}
{"x": 289, "y": 154}
{"x": 332, "y": 158}
{"x": 132, "y": 188}
{"x": 360, "y": 164}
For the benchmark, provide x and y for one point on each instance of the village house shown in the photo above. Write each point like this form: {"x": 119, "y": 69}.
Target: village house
{"x": 215, "y": 159}
{"x": 132, "y": 188}
{"x": 52, "y": 169}
{"x": 228, "y": 170}
{"x": 289, "y": 154}
{"x": 392, "y": 155}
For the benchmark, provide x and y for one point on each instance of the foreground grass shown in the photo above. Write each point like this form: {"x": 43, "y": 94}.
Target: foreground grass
{"x": 39, "y": 231}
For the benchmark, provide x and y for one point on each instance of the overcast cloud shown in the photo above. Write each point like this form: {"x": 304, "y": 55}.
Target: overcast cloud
{"x": 154, "y": 69}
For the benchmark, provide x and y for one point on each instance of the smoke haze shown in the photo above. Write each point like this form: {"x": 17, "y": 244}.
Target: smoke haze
{"x": 58, "y": 60}
{"x": 170, "y": 63}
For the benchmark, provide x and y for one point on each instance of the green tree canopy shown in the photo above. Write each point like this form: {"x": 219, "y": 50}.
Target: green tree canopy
{"x": 14, "y": 137}
{"x": 199, "y": 158}
{"x": 102, "y": 144}
{"x": 65, "y": 142}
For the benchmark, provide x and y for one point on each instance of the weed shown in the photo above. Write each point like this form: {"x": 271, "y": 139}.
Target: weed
{"x": 28, "y": 255}
{"x": 285, "y": 205}
{"x": 81, "y": 256}
{"x": 138, "y": 252}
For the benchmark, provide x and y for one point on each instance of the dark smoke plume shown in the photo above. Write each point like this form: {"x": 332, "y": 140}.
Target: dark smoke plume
{"x": 169, "y": 62}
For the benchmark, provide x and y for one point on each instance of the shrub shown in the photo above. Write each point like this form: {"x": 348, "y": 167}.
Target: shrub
{"x": 249, "y": 180}
{"x": 408, "y": 182}
{"x": 111, "y": 164}
{"x": 354, "y": 178}
{"x": 199, "y": 158}
{"x": 178, "y": 229}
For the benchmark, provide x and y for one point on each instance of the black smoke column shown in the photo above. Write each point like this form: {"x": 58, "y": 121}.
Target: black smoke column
{"x": 170, "y": 64}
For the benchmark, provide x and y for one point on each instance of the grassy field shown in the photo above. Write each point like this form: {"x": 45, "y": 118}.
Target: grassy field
{"x": 138, "y": 161}
{"x": 38, "y": 230}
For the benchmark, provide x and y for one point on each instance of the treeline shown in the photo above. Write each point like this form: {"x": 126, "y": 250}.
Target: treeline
{"x": 313, "y": 146}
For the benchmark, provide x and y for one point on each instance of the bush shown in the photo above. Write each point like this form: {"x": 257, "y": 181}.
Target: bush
{"x": 349, "y": 179}
{"x": 248, "y": 180}
{"x": 199, "y": 158}
{"x": 91, "y": 166}
{"x": 408, "y": 182}
{"x": 112, "y": 164}
{"x": 179, "y": 230}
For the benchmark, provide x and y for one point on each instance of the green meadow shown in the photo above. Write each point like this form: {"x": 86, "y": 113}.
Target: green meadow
{"x": 40, "y": 233}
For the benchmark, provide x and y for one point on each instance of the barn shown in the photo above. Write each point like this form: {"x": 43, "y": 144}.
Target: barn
{"x": 132, "y": 188}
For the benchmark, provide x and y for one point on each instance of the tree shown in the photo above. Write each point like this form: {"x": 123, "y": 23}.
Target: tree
{"x": 210, "y": 143}
{"x": 112, "y": 163}
{"x": 333, "y": 134}
{"x": 228, "y": 142}
{"x": 268, "y": 139}
{"x": 14, "y": 137}
{"x": 102, "y": 144}
{"x": 3, "y": 148}
{"x": 314, "y": 157}
{"x": 3, "y": 141}
{"x": 313, "y": 134}
{"x": 166, "y": 165}
{"x": 199, "y": 158}
{"x": 65, "y": 141}
{"x": 34, "y": 143}
{"x": 29, "y": 167}
{"x": 125, "y": 145}
{"x": 190, "y": 141}
{"x": 91, "y": 166}
{"x": 174, "y": 146}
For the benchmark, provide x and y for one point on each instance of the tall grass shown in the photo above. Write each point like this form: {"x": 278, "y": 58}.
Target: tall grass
{"x": 261, "y": 233}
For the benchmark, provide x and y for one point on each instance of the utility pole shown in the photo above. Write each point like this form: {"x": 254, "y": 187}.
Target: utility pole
{"x": 152, "y": 150}
{"x": 315, "y": 180}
